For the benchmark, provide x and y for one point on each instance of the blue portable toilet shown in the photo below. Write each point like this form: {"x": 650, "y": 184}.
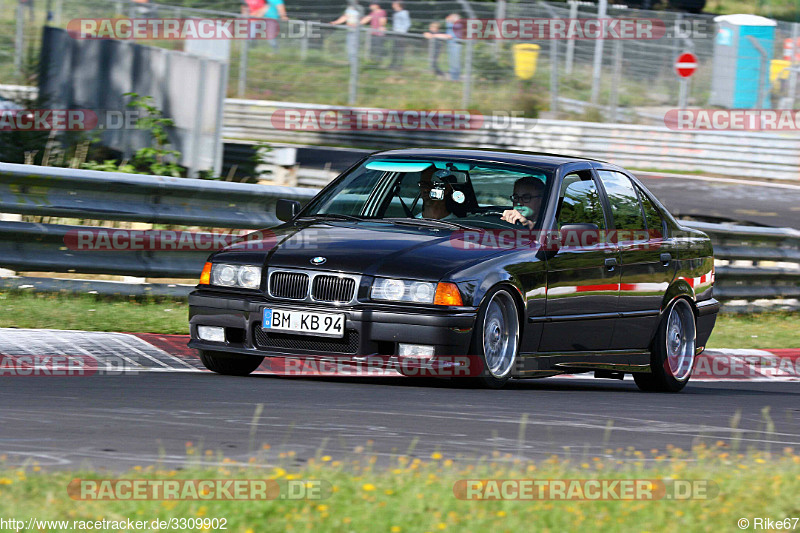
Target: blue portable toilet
{"x": 738, "y": 64}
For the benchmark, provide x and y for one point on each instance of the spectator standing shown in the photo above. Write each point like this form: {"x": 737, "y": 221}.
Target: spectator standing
{"x": 351, "y": 17}
{"x": 377, "y": 21}
{"x": 276, "y": 11}
{"x": 454, "y": 30}
{"x": 437, "y": 38}
{"x": 401, "y": 23}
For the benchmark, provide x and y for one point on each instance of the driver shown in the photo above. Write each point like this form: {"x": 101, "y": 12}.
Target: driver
{"x": 527, "y": 199}
{"x": 431, "y": 207}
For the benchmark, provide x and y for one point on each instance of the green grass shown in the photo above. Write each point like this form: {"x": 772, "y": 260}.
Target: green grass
{"x": 416, "y": 494}
{"x": 763, "y": 330}
{"x": 93, "y": 313}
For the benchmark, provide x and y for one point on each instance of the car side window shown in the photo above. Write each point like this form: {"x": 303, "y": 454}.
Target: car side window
{"x": 579, "y": 201}
{"x": 655, "y": 222}
{"x": 625, "y": 206}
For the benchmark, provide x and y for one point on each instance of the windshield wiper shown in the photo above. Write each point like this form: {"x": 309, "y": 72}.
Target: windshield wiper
{"x": 427, "y": 222}
{"x": 335, "y": 216}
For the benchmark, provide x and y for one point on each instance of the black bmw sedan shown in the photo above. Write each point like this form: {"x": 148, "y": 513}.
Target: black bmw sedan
{"x": 516, "y": 264}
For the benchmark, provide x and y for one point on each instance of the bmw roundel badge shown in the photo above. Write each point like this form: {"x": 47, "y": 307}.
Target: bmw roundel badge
{"x": 318, "y": 260}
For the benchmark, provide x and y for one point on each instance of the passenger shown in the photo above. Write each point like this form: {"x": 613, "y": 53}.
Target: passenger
{"x": 527, "y": 200}
{"x": 431, "y": 207}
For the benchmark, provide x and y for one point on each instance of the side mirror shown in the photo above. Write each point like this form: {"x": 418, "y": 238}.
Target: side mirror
{"x": 584, "y": 234}
{"x": 286, "y": 210}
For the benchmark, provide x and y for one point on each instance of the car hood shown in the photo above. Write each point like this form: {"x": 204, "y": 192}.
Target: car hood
{"x": 371, "y": 248}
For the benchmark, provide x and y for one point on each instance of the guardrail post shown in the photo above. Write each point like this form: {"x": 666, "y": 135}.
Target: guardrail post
{"x": 242, "y": 81}
{"x": 353, "y": 39}
{"x": 309, "y": 26}
{"x": 761, "y": 69}
{"x": 197, "y": 128}
{"x": 554, "y": 77}
{"x": 499, "y": 14}
{"x": 466, "y": 94}
{"x": 8, "y": 217}
{"x": 19, "y": 39}
{"x": 573, "y": 14}
{"x": 793, "y": 73}
{"x": 598, "y": 54}
{"x": 59, "y": 12}
{"x": 614, "y": 98}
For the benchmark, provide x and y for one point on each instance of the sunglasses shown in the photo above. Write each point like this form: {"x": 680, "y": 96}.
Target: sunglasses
{"x": 522, "y": 198}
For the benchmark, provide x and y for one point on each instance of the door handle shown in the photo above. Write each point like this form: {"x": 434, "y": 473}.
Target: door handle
{"x": 611, "y": 263}
{"x": 666, "y": 257}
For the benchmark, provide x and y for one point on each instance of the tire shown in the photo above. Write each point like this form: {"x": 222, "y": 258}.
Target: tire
{"x": 673, "y": 353}
{"x": 229, "y": 364}
{"x": 495, "y": 340}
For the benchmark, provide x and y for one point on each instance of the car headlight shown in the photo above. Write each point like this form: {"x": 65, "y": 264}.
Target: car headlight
{"x": 400, "y": 290}
{"x": 242, "y": 276}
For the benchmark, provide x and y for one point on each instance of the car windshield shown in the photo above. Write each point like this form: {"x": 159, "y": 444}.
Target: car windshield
{"x": 456, "y": 192}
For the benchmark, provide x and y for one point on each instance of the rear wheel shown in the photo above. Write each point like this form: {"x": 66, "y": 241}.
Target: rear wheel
{"x": 673, "y": 353}
{"x": 496, "y": 338}
{"x": 229, "y": 364}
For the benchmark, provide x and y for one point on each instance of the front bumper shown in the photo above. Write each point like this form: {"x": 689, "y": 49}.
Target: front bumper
{"x": 370, "y": 329}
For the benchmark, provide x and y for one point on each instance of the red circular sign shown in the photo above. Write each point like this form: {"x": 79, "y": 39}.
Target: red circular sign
{"x": 686, "y": 64}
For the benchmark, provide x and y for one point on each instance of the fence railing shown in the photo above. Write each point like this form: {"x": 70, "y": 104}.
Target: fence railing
{"x": 753, "y": 263}
{"x": 719, "y": 152}
{"x": 314, "y": 65}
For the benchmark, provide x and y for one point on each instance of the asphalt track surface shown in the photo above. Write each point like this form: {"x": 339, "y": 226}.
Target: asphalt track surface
{"x": 117, "y": 422}
{"x": 735, "y": 200}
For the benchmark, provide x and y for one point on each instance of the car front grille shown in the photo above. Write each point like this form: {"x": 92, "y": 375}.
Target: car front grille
{"x": 346, "y": 345}
{"x": 313, "y": 286}
{"x": 293, "y": 285}
{"x": 333, "y": 289}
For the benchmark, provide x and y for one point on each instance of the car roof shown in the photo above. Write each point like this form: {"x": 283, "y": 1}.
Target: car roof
{"x": 519, "y": 157}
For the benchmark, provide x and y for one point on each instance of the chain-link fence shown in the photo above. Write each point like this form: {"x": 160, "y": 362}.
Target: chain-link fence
{"x": 631, "y": 80}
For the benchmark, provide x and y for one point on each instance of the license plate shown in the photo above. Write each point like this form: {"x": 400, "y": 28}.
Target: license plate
{"x": 304, "y": 322}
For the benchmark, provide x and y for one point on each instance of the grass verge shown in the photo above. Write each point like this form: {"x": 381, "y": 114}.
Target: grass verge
{"x": 93, "y": 313}
{"x": 413, "y": 494}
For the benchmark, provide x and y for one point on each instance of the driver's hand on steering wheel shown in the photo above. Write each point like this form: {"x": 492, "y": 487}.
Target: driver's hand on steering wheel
{"x": 515, "y": 217}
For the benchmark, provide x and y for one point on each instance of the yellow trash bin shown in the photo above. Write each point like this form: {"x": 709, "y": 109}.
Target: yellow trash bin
{"x": 778, "y": 70}
{"x": 525, "y": 56}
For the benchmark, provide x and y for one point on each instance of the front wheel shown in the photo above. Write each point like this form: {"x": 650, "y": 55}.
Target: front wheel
{"x": 229, "y": 364}
{"x": 673, "y": 353}
{"x": 496, "y": 338}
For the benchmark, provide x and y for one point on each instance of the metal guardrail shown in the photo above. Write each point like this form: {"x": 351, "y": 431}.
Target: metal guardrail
{"x": 89, "y": 194}
{"x": 772, "y": 255}
{"x": 731, "y": 153}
